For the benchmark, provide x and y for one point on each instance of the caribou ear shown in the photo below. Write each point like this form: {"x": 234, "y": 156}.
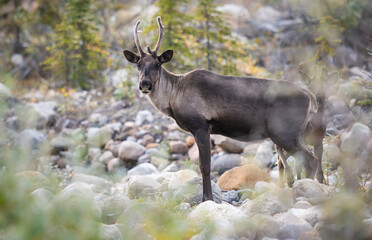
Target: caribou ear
{"x": 166, "y": 56}
{"x": 131, "y": 56}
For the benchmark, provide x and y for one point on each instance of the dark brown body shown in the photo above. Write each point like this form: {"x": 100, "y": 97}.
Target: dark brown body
{"x": 246, "y": 109}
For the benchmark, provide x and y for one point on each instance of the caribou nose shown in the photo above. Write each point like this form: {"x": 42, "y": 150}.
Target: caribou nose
{"x": 145, "y": 86}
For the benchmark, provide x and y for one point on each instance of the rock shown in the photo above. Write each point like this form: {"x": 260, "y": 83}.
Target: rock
{"x": 180, "y": 177}
{"x": 142, "y": 169}
{"x": 113, "y": 206}
{"x": 211, "y": 211}
{"x": 302, "y": 205}
{"x": 98, "y": 137}
{"x": 236, "y": 12}
{"x": 242, "y": 177}
{"x": 264, "y": 226}
{"x": 130, "y": 127}
{"x": 192, "y": 191}
{"x": 113, "y": 164}
{"x": 219, "y": 230}
{"x": 190, "y": 141}
{"x": 291, "y": 226}
{"x": 250, "y": 150}
{"x": 142, "y": 186}
{"x": 268, "y": 203}
{"x": 105, "y": 157}
{"x": 110, "y": 232}
{"x": 311, "y": 235}
{"x": 101, "y": 183}
{"x": 159, "y": 162}
{"x": 262, "y": 187}
{"x": 225, "y": 163}
{"x": 309, "y": 189}
{"x": 310, "y": 215}
{"x": 194, "y": 153}
{"x": 227, "y": 144}
{"x": 333, "y": 154}
{"x": 113, "y": 147}
{"x": 264, "y": 155}
{"x": 147, "y": 139}
{"x": 230, "y": 196}
{"x": 144, "y": 116}
{"x": 77, "y": 195}
{"x": 130, "y": 151}
{"x": 178, "y": 147}
{"x": 171, "y": 168}
{"x": 267, "y": 14}
{"x": 45, "y": 112}
{"x": 30, "y": 138}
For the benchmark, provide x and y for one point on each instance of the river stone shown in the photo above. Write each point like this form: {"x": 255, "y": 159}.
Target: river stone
{"x": 178, "y": 147}
{"x": 291, "y": 226}
{"x": 130, "y": 151}
{"x": 142, "y": 169}
{"x": 227, "y": 144}
{"x": 264, "y": 226}
{"x": 110, "y": 232}
{"x": 225, "y": 162}
{"x": 192, "y": 191}
{"x": 98, "y": 137}
{"x": 113, "y": 206}
{"x": 309, "y": 189}
{"x": 180, "y": 177}
{"x": 142, "y": 186}
{"x": 210, "y": 210}
{"x": 101, "y": 183}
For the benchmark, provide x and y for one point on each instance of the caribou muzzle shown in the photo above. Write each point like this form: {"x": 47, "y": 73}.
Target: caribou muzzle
{"x": 145, "y": 86}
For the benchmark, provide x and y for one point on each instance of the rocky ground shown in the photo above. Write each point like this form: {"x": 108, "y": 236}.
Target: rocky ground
{"x": 137, "y": 173}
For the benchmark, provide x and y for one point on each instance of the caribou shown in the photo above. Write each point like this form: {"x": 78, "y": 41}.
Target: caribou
{"x": 243, "y": 108}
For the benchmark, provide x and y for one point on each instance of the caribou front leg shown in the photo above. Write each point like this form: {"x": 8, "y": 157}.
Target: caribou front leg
{"x": 203, "y": 141}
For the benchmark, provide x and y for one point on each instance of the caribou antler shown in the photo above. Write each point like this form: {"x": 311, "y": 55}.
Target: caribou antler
{"x": 160, "y": 39}
{"x": 136, "y": 38}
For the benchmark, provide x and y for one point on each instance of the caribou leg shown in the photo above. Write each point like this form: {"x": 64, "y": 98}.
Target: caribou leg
{"x": 287, "y": 169}
{"x": 318, "y": 150}
{"x": 203, "y": 141}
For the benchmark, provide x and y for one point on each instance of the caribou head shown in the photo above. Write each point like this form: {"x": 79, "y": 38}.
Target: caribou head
{"x": 149, "y": 64}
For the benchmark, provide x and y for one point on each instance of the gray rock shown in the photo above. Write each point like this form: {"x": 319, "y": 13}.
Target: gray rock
{"x": 101, "y": 183}
{"x": 192, "y": 191}
{"x": 113, "y": 164}
{"x": 227, "y": 144}
{"x": 355, "y": 141}
{"x": 45, "y": 112}
{"x": 113, "y": 206}
{"x": 310, "y": 215}
{"x": 17, "y": 59}
{"x": 144, "y": 116}
{"x": 211, "y": 211}
{"x": 230, "y": 196}
{"x": 302, "y": 205}
{"x": 179, "y": 178}
{"x": 264, "y": 155}
{"x": 110, "y": 232}
{"x": 98, "y": 137}
{"x": 262, "y": 187}
{"x": 142, "y": 169}
{"x": 130, "y": 151}
{"x": 31, "y": 138}
{"x": 219, "y": 230}
{"x": 291, "y": 226}
{"x": 225, "y": 163}
{"x": 77, "y": 195}
{"x": 267, "y": 14}
{"x": 142, "y": 186}
{"x": 269, "y": 203}
{"x": 264, "y": 226}
{"x": 310, "y": 189}
{"x": 42, "y": 197}
{"x": 105, "y": 157}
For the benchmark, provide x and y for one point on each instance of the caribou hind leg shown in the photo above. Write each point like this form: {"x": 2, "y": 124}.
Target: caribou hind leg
{"x": 318, "y": 150}
{"x": 282, "y": 158}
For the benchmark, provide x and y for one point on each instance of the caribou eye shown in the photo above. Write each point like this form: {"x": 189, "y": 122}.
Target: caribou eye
{"x": 158, "y": 65}
{"x": 139, "y": 66}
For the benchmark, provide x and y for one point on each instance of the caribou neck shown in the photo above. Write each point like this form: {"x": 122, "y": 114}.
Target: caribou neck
{"x": 165, "y": 90}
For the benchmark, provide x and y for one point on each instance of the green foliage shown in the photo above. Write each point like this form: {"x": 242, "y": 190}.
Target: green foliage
{"x": 77, "y": 53}
{"x": 176, "y": 32}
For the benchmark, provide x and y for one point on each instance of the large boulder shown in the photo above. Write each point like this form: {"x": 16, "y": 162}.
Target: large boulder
{"x": 192, "y": 191}
{"x": 130, "y": 151}
{"x": 142, "y": 186}
{"x": 310, "y": 189}
{"x": 225, "y": 162}
{"x": 242, "y": 177}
